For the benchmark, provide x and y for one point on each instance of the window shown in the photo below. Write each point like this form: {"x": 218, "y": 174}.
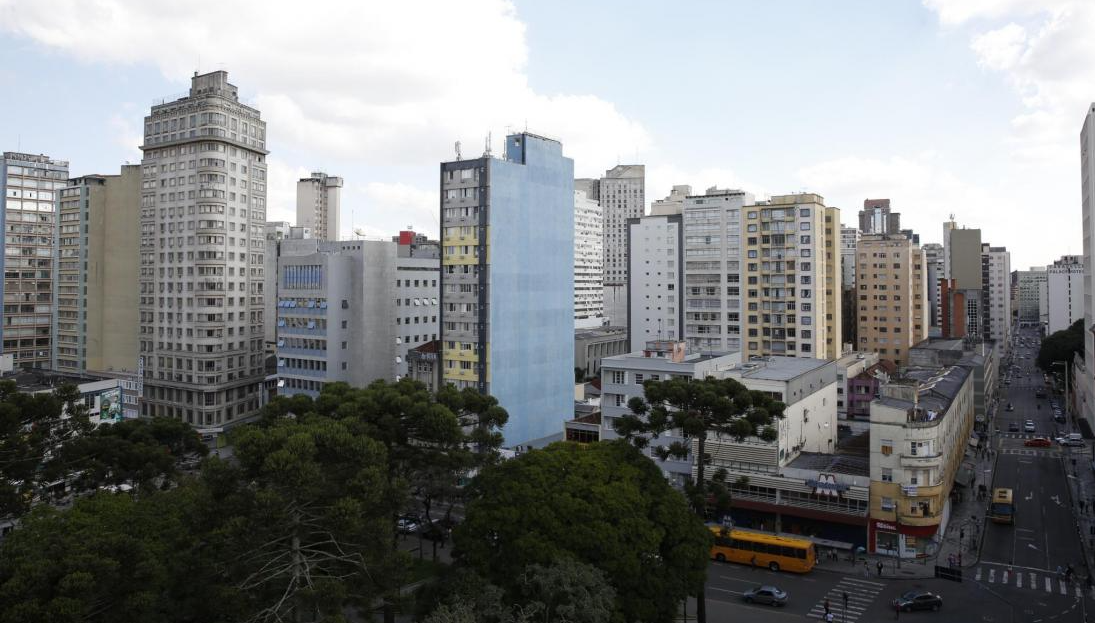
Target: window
{"x": 618, "y": 376}
{"x": 887, "y": 447}
{"x": 887, "y": 474}
{"x": 638, "y": 379}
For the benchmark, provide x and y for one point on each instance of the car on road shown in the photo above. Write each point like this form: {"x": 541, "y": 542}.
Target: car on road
{"x": 1010, "y": 407}
{"x": 918, "y": 600}
{"x": 1038, "y": 442}
{"x": 1071, "y": 442}
{"x": 407, "y": 524}
{"x": 766, "y": 594}
{"x": 1059, "y": 418}
{"x": 1013, "y": 427}
{"x": 1028, "y": 426}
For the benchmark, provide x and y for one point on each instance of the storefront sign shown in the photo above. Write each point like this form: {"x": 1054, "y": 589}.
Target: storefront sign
{"x": 826, "y": 484}
{"x": 881, "y": 525}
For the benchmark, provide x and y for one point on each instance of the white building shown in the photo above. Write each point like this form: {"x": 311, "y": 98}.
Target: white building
{"x": 1085, "y": 384}
{"x": 339, "y": 317}
{"x": 655, "y": 259}
{"x": 589, "y": 260}
{"x": 1064, "y": 293}
{"x": 712, "y": 269}
{"x": 996, "y": 294}
{"x": 318, "y": 205}
{"x": 1032, "y": 285}
{"x": 623, "y": 197}
{"x": 673, "y": 204}
{"x": 203, "y": 212}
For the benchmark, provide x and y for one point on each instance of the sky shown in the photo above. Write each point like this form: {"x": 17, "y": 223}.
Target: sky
{"x": 964, "y": 107}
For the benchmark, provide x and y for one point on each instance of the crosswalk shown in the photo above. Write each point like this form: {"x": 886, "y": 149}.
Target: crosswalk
{"x": 1053, "y": 454}
{"x": 1041, "y": 582}
{"x": 861, "y": 593}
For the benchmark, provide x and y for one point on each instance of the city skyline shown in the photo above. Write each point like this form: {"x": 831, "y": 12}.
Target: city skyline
{"x": 941, "y": 106}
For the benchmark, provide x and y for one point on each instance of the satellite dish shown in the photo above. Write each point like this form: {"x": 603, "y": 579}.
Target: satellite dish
{"x": 359, "y": 232}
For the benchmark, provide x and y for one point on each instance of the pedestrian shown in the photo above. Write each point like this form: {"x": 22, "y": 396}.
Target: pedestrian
{"x": 826, "y": 606}
{"x": 829, "y": 617}
{"x": 866, "y": 570}
{"x": 879, "y": 565}
{"x": 753, "y": 561}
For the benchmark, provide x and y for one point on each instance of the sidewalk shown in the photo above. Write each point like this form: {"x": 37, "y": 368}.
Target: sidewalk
{"x": 1081, "y": 488}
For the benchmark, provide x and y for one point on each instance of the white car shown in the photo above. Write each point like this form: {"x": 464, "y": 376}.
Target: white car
{"x": 1028, "y": 426}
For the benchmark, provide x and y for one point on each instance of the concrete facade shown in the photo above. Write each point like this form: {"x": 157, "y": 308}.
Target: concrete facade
{"x": 892, "y": 296}
{"x": 203, "y": 211}
{"x": 589, "y": 268}
{"x": 933, "y": 260}
{"x": 1085, "y": 382}
{"x": 656, "y": 253}
{"x": 508, "y": 282}
{"x": 1031, "y": 285}
{"x": 848, "y": 367}
{"x": 672, "y": 204}
{"x": 591, "y": 346}
{"x": 97, "y": 258}
{"x": 319, "y": 202}
{"x": 996, "y": 319}
{"x": 962, "y": 265}
{"x": 622, "y": 197}
{"x": 28, "y": 210}
{"x": 1064, "y": 293}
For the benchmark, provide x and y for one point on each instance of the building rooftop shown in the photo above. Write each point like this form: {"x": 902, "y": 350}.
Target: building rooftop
{"x": 935, "y": 389}
{"x": 599, "y": 332}
{"x": 833, "y": 463}
{"x": 41, "y": 380}
{"x": 777, "y": 368}
{"x": 655, "y": 362}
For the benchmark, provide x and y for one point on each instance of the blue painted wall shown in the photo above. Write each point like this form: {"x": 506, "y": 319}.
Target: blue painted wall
{"x": 532, "y": 287}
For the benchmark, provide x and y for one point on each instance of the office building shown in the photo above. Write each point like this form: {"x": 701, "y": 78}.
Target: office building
{"x": 275, "y": 232}
{"x": 203, "y": 214}
{"x": 1064, "y": 293}
{"x": 589, "y": 260}
{"x": 1085, "y": 381}
{"x": 1032, "y": 283}
{"x": 892, "y": 295}
{"x": 318, "y": 205}
{"x": 97, "y": 259}
{"x": 712, "y": 269}
{"x": 622, "y": 196}
{"x": 508, "y": 281}
{"x": 920, "y": 427}
{"x": 350, "y": 311}
{"x": 673, "y": 204}
{"x": 961, "y": 288}
{"x": 996, "y": 294}
{"x": 849, "y": 238}
{"x": 933, "y": 261}
{"x": 655, "y": 257}
{"x": 31, "y": 184}
{"x": 791, "y": 276}
{"x": 422, "y": 365}
{"x": 593, "y": 345}
{"x": 876, "y": 218}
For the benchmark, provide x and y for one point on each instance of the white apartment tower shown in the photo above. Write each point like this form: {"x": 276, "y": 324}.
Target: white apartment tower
{"x": 589, "y": 268}
{"x": 656, "y": 254}
{"x": 1085, "y": 382}
{"x": 203, "y": 211}
{"x": 996, "y": 293}
{"x": 318, "y": 204}
{"x": 622, "y": 196}
{"x": 712, "y": 269}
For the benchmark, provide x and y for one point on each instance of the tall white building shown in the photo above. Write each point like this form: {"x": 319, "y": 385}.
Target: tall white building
{"x": 996, "y": 294}
{"x": 623, "y": 196}
{"x": 589, "y": 268}
{"x": 1084, "y": 378}
{"x": 318, "y": 204}
{"x": 1064, "y": 293}
{"x": 656, "y": 255}
{"x": 203, "y": 212}
{"x": 712, "y": 269}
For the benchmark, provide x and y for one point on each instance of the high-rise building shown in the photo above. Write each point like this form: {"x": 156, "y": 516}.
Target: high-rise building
{"x": 673, "y": 204}
{"x": 849, "y": 238}
{"x": 876, "y": 218}
{"x": 1064, "y": 292}
{"x": 1031, "y": 285}
{"x": 892, "y": 296}
{"x": 656, "y": 254}
{"x": 97, "y": 259}
{"x": 712, "y": 269}
{"x": 318, "y": 205}
{"x": 275, "y": 232}
{"x": 203, "y": 214}
{"x": 29, "y": 208}
{"x": 996, "y": 294}
{"x": 622, "y": 196}
{"x": 339, "y": 317}
{"x": 1085, "y": 376}
{"x": 933, "y": 259}
{"x": 791, "y": 278}
{"x": 963, "y": 274}
{"x": 507, "y": 308}
{"x": 589, "y": 260}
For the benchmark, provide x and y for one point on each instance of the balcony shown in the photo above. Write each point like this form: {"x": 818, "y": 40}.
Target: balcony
{"x": 921, "y": 460}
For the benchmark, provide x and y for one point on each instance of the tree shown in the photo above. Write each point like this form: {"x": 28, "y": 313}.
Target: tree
{"x": 605, "y": 505}
{"x": 699, "y": 408}
{"x": 1061, "y": 346}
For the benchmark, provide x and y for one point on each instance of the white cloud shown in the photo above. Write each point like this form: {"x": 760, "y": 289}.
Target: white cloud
{"x": 389, "y": 83}
{"x": 127, "y": 132}
{"x": 281, "y": 189}
{"x": 385, "y": 209}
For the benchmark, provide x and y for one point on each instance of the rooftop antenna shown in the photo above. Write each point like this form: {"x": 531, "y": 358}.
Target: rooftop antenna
{"x": 457, "y": 150}
{"x": 486, "y": 152}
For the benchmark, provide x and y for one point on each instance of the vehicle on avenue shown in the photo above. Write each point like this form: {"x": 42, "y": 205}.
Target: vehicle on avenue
{"x": 760, "y": 549}
{"x": 1002, "y": 508}
{"x": 1013, "y": 427}
{"x": 1059, "y": 417}
{"x": 1010, "y": 407}
{"x": 766, "y": 594}
{"x": 1028, "y": 426}
{"x": 1070, "y": 441}
{"x": 407, "y": 524}
{"x": 918, "y": 600}
{"x": 1038, "y": 442}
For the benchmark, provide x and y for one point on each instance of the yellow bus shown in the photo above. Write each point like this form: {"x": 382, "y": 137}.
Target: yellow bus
{"x": 1002, "y": 509}
{"x": 778, "y": 553}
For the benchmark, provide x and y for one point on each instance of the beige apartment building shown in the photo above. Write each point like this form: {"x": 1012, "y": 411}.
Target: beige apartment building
{"x": 97, "y": 263}
{"x": 791, "y": 278}
{"x": 891, "y": 295}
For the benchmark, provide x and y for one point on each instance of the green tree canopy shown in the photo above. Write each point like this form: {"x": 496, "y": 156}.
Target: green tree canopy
{"x": 1061, "y": 346}
{"x": 605, "y": 505}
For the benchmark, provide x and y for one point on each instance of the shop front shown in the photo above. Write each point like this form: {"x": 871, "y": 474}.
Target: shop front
{"x": 888, "y": 539}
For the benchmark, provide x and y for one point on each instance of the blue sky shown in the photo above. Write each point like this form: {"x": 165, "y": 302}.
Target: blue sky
{"x": 964, "y": 106}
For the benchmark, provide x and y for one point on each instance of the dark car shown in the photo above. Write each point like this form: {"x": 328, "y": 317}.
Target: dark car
{"x": 1010, "y": 407}
{"x": 918, "y": 600}
{"x": 1013, "y": 427}
{"x": 765, "y": 595}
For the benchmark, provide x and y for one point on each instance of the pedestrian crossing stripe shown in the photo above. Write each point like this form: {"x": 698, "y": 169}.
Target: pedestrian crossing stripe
{"x": 861, "y": 594}
{"x": 1049, "y": 587}
{"x": 1019, "y": 580}
{"x": 1006, "y": 576}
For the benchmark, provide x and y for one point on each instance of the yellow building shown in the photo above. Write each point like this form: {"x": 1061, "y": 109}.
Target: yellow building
{"x": 920, "y": 427}
{"x": 891, "y": 295}
{"x": 791, "y": 277}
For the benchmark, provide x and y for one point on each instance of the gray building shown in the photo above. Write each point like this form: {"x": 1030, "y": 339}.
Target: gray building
{"x": 962, "y": 263}
{"x": 32, "y": 184}
{"x": 622, "y": 196}
{"x": 876, "y": 218}
{"x": 203, "y": 212}
{"x": 593, "y": 345}
{"x": 349, "y": 311}
{"x": 979, "y": 356}
{"x": 1033, "y": 284}
{"x": 933, "y": 259}
{"x": 319, "y": 200}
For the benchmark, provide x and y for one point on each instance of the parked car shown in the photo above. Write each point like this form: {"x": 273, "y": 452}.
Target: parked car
{"x": 1028, "y": 426}
{"x": 766, "y": 594}
{"x": 918, "y": 600}
{"x": 1071, "y": 442}
{"x": 1013, "y": 427}
{"x": 1038, "y": 442}
{"x": 407, "y": 524}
